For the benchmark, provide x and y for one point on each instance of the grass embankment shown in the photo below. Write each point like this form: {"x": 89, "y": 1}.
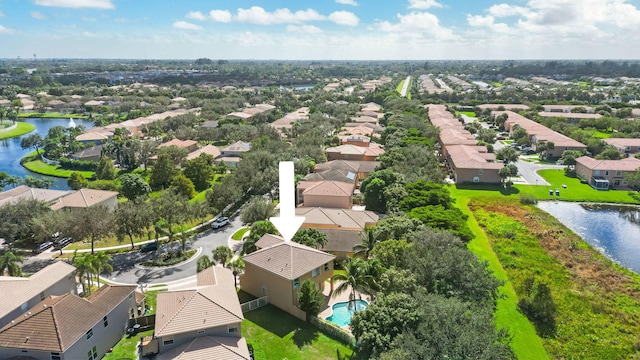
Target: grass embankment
{"x": 53, "y": 115}
{"x": 575, "y": 190}
{"x": 21, "y": 129}
{"x": 275, "y": 334}
{"x": 525, "y": 342}
{"x": 32, "y": 163}
{"x": 597, "y": 300}
{"x": 399, "y": 87}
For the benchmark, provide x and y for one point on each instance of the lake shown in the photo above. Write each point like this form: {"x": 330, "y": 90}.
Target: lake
{"x": 11, "y": 152}
{"x": 612, "y": 230}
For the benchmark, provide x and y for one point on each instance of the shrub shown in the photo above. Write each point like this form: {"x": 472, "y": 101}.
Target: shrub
{"x": 81, "y": 165}
{"x": 528, "y": 199}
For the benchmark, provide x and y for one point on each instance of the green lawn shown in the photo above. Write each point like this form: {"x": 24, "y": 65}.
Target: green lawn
{"x": 275, "y": 334}
{"x": 238, "y": 234}
{"x": 21, "y": 129}
{"x": 575, "y": 191}
{"x": 127, "y": 347}
{"x": 52, "y": 115}
{"x": 468, "y": 113}
{"x": 525, "y": 342}
{"x": 38, "y": 166}
{"x": 399, "y": 87}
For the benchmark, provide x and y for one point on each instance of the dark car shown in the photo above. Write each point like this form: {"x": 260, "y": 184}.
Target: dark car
{"x": 152, "y": 246}
{"x": 220, "y": 222}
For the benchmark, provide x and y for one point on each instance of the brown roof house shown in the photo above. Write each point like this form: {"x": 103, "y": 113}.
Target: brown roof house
{"x": 70, "y": 327}
{"x": 624, "y": 145}
{"x": 473, "y": 164}
{"x": 278, "y": 270}
{"x": 353, "y": 152}
{"x": 23, "y": 293}
{"x": 360, "y": 168}
{"x": 232, "y": 153}
{"x": 342, "y": 227}
{"x": 85, "y": 198}
{"x": 201, "y": 323}
{"x": 326, "y": 193}
{"x": 605, "y": 174}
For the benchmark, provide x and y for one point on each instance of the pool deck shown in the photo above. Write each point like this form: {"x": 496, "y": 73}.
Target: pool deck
{"x": 330, "y": 300}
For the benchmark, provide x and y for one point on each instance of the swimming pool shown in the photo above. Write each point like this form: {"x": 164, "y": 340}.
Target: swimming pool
{"x": 343, "y": 311}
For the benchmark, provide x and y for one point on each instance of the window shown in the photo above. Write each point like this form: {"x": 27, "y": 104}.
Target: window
{"x": 596, "y": 173}
{"x": 89, "y": 334}
{"x": 41, "y": 296}
{"x": 618, "y": 173}
{"x": 233, "y": 329}
{"x": 264, "y": 291}
{"x": 92, "y": 354}
{"x": 105, "y": 321}
{"x": 200, "y": 332}
{"x": 55, "y": 356}
{"x": 480, "y": 172}
{"x": 24, "y": 307}
{"x": 326, "y": 267}
{"x": 606, "y": 173}
{"x": 315, "y": 272}
{"x": 167, "y": 342}
{"x": 296, "y": 283}
{"x": 476, "y": 179}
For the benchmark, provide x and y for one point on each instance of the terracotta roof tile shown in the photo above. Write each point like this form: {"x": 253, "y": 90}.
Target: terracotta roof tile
{"x": 209, "y": 347}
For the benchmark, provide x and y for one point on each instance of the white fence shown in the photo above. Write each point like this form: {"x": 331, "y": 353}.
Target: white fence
{"x": 254, "y": 304}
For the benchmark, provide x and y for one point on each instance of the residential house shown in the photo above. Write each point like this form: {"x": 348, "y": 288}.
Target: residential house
{"x": 85, "y": 198}
{"x": 473, "y": 164}
{"x": 567, "y": 108}
{"x": 342, "y": 227}
{"x": 23, "y": 293}
{"x": 210, "y": 314}
{"x": 360, "y": 168}
{"x": 89, "y": 154}
{"x": 605, "y": 174}
{"x": 68, "y": 327}
{"x": 232, "y": 153}
{"x": 625, "y": 145}
{"x": 352, "y": 152}
{"x": 451, "y": 136}
{"x": 574, "y": 117}
{"x": 278, "y": 270}
{"x": 512, "y": 107}
{"x": 207, "y": 149}
{"x": 189, "y": 145}
{"x": 333, "y": 174}
{"x": 23, "y": 192}
{"x": 326, "y": 193}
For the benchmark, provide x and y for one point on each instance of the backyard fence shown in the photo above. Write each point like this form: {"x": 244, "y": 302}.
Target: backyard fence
{"x": 254, "y": 304}
{"x": 332, "y": 330}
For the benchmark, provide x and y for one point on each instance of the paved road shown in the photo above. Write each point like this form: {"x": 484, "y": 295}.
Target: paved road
{"x": 405, "y": 86}
{"x": 125, "y": 270}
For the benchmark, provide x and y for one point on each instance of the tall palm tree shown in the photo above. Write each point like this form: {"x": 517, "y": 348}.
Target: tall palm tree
{"x": 355, "y": 278}
{"x": 237, "y": 267}
{"x": 9, "y": 263}
{"x": 222, "y": 254}
{"x": 363, "y": 250}
{"x": 101, "y": 261}
{"x": 83, "y": 269}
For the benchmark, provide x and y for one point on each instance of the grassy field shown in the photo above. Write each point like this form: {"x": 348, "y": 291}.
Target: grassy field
{"x": 52, "y": 115}
{"x": 274, "y": 334}
{"x": 127, "y": 347}
{"x": 575, "y": 190}
{"x": 21, "y": 129}
{"x": 468, "y": 113}
{"x": 38, "y": 166}
{"x": 525, "y": 342}
{"x": 238, "y": 234}
{"x": 399, "y": 87}
{"x": 597, "y": 301}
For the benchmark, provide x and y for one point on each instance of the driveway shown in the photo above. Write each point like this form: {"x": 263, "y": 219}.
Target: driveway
{"x": 528, "y": 170}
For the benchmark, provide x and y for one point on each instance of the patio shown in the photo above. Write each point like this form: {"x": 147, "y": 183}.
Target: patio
{"x": 330, "y": 300}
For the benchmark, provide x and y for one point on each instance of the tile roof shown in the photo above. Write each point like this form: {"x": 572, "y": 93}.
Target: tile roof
{"x": 207, "y": 149}
{"x": 237, "y": 146}
{"x": 179, "y": 143}
{"x": 622, "y": 142}
{"x": 569, "y": 115}
{"x": 289, "y": 260}
{"x": 18, "y": 290}
{"x": 268, "y": 240}
{"x": 348, "y": 165}
{"x": 201, "y": 308}
{"x": 626, "y": 164}
{"x": 24, "y": 192}
{"x": 209, "y": 347}
{"x": 472, "y": 157}
{"x": 340, "y": 240}
{"x": 58, "y": 322}
{"x": 505, "y": 106}
{"x": 329, "y": 188}
{"x": 345, "y": 219}
{"x": 84, "y": 198}
{"x": 332, "y": 174}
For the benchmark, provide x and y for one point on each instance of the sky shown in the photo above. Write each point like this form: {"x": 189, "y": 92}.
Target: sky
{"x": 321, "y": 29}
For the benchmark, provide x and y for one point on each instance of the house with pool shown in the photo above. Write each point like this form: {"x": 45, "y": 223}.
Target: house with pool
{"x": 278, "y": 269}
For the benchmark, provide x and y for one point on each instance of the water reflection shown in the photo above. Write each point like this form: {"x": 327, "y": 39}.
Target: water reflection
{"x": 613, "y": 230}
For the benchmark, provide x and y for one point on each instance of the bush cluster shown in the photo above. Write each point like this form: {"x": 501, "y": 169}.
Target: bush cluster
{"x": 81, "y": 165}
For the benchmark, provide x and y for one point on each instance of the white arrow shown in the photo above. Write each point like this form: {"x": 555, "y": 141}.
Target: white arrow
{"x": 287, "y": 223}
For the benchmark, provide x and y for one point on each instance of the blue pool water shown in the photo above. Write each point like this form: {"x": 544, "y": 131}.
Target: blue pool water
{"x": 343, "y": 311}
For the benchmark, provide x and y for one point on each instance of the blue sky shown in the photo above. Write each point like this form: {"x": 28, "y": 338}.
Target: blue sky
{"x": 321, "y": 29}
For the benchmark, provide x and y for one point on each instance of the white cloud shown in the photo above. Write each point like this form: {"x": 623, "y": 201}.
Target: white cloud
{"x": 223, "y": 16}
{"x": 347, "y": 2}
{"x": 505, "y": 10}
{"x": 344, "y": 18}
{"x": 424, "y": 4}
{"x": 196, "y": 15}
{"x": 306, "y": 29}
{"x": 418, "y": 24}
{"x": 258, "y": 15}
{"x": 486, "y": 21}
{"x": 94, "y": 4}
{"x": 183, "y": 25}
{"x": 38, "y": 15}
{"x": 6, "y": 30}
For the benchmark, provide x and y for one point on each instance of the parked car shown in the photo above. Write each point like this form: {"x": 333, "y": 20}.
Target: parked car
{"x": 59, "y": 244}
{"x": 220, "y": 222}
{"x": 44, "y": 246}
{"x": 152, "y": 246}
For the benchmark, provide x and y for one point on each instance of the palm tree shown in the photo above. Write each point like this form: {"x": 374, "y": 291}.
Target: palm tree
{"x": 356, "y": 278}
{"x": 83, "y": 269}
{"x": 101, "y": 261}
{"x": 222, "y": 254}
{"x": 369, "y": 241}
{"x": 9, "y": 263}
{"x": 237, "y": 267}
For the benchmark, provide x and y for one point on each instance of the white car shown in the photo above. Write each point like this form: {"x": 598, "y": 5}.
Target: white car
{"x": 220, "y": 222}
